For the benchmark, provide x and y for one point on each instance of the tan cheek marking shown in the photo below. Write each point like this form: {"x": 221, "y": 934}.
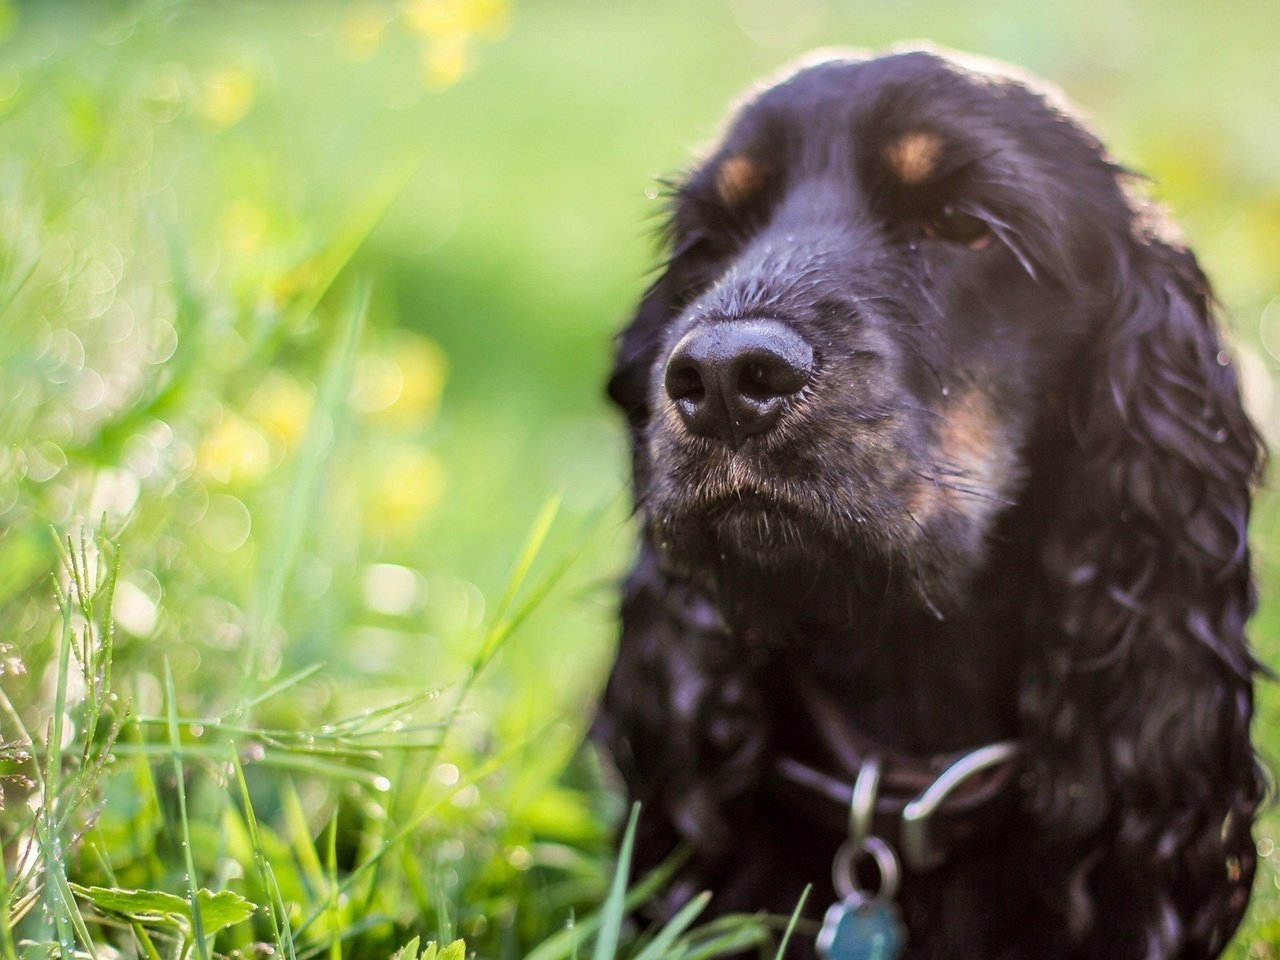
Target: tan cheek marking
{"x": 974, "y": 466}
{"x": 737, "y": 179}
{"x": 914, "y": 156}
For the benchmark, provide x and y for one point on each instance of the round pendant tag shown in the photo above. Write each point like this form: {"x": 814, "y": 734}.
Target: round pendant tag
{"x": 858, "y": 928}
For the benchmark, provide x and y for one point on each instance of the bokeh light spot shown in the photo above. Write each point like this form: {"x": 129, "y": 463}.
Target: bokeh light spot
{"x": 226, "y": 523}
{"x": 233, "y": 451}
{"x": 226, "y": 95}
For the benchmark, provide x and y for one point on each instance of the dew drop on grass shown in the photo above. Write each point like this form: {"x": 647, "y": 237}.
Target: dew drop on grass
{"x": 381, "y": 784}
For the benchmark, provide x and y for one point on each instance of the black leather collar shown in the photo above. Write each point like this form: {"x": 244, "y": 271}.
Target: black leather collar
{"x": 929, "y": 808}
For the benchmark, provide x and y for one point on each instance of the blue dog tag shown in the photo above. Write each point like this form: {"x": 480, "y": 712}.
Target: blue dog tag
{"x": 861, "y": 928}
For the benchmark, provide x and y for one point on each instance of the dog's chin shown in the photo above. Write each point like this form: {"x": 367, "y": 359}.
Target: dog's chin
{"x": 748, "y": 540}
{"x": 748, "y": 533}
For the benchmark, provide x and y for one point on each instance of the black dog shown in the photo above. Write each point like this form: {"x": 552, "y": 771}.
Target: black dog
{"x": 937, "y": 451}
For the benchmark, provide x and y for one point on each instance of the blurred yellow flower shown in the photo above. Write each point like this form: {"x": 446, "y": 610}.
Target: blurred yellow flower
{"x": 226, "y": 95}
{"x": 408, "y": 485}
{"x": 282, "y": 407}
{"x": 233, "y": 451}
{"x": 242, "y": 228}
{"x": 298, "y": 281}
{"x": 448, "y": 26}
{"x": 444, "y": 60}
{"x": 423, "y": 369}
{"x": 457, "y": 18}
{"x": 402, "y": 381}
{"x": 362, "y": 30}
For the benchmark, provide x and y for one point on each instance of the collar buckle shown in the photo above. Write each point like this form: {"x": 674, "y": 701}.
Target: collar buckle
{"x": 915, "y": 840}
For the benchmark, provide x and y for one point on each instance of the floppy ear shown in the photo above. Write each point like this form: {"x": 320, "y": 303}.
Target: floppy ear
{"x": 680, "y": 717}
{"x": 635, "y": 352}
{"x": 1138, "y": 707}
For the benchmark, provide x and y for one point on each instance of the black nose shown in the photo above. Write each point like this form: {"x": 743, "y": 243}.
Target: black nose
{"x": 731, "y": 380}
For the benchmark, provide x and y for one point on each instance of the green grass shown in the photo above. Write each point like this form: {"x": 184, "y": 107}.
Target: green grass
{"x": 311, "y": 510}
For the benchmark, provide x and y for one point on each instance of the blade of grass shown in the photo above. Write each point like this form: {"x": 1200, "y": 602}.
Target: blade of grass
{"x": 503, "y": 626}
{"x": 316, "y": 443}
{"x": 335, "y": 916}
{"x": 424, "y": 814}
{"x": 741, "y": 938}
{"x": 187, "y": 361}
{"x": 349, "y": 932}
{"x": 277, "y": 913}
{"x": 301, "y": 764}
{"x": 29, "y": 863}
{"x": 560, "y": 944}
{"x": 8, "y": 949}
{"x": 528, "y": 553}
{"x": 303, "y": 675}
{"x": 300, "y": 839}
{"x": 197, "y": 922}
{"x": 791, "y": 924}
{"x": 47, "y": 827}
{"x": 615, "y": 907}
{"x": 673, "y": 928}
{"x": 359, "y": 224}
{"x": 59, "y": 879}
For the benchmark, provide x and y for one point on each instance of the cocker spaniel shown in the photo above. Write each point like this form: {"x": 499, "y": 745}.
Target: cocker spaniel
{"x": 944, "y": 479}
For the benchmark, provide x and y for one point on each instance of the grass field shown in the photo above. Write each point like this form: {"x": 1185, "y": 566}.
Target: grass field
{"x": 311, "y": 509}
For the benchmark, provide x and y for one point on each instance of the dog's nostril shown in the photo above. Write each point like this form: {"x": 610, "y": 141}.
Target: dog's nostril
{"x": 684, "y": 382}
{"x": 731, "y": 379}
{"x": 754, "y": 381}
{"x": 771, "y": 376}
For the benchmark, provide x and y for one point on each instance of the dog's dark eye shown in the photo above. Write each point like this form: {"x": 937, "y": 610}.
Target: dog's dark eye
{"x": 956, "y": 226}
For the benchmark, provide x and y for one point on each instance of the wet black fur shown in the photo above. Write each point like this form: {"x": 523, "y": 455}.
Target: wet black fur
{"x": 1085, "y": 591}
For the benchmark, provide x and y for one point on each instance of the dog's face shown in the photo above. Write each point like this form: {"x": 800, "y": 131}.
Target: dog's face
{"x": 881, "y": 279}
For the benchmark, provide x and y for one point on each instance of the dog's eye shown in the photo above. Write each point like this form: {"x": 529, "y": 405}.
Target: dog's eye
{"x": 956, "y": 226}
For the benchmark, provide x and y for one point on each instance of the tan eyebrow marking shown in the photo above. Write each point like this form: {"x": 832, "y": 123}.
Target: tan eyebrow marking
{"x": 914, "y": 156}
{"x": 737, "y": 179}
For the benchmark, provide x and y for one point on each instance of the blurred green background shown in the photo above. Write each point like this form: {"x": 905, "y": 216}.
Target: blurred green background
{"x": 307, "y": 308}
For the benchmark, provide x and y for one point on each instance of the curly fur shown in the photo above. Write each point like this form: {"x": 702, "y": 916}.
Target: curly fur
{"x": 1012, "y": 504}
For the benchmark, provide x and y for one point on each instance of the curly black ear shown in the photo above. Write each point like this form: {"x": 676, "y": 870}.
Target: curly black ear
{"x": 681, "y": 718}
{"x": 636, "y": 350}
{"x": 1138, "y": 708}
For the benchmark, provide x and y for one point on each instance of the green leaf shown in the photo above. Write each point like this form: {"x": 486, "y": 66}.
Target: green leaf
{"x": 454, "y": 951}
{"x": 218, "y": 910}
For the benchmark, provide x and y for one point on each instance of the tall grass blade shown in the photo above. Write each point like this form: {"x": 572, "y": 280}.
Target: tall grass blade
{"x": 615, "y": 905}
{"x": 335, "y": 915}
{"x": 563, "y": 942}
{"x": 316, "y": 442}
{"x": 276, "y": 908}
{"x": 193, "y": 887}
{"x": 657, "y": 947}
{"x": 791, "y": 924}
